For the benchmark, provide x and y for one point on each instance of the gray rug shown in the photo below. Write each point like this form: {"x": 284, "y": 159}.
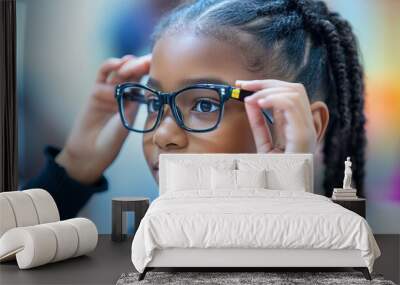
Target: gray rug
{"x": 231, "y": 278}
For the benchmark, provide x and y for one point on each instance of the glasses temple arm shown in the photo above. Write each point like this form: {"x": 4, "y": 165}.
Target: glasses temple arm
{"x": 241, "y": 94}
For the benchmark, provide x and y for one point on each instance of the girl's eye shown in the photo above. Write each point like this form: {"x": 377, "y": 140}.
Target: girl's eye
{"x": 205, "y": 105}
{"x": 153, "y": 105}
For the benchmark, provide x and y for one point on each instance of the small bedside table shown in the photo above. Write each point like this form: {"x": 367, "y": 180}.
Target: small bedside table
{"x": 120, "y": 205}
{"x": 357, "y": 205}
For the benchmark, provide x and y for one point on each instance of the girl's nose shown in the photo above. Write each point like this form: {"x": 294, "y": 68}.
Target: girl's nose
{"x": 168, "y": 135}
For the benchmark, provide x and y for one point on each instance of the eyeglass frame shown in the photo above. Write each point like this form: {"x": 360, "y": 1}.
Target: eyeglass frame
{"x": 225, "y": 92}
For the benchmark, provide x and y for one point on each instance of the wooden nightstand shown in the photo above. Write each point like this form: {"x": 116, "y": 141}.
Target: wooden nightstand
{"x": 356, "y": 205}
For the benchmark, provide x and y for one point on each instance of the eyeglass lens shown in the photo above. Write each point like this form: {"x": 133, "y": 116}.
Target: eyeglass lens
{"x": 197, "y": 108}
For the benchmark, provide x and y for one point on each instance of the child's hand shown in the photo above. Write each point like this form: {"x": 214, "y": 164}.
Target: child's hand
{"x": 98, "y": 134}
{"x": 293, "y": 126}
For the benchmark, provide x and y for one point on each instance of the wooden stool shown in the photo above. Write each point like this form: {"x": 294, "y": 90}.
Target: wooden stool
{"x": 120, "y": 205}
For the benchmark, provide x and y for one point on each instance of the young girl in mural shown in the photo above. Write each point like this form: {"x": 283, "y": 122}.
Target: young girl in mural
{"x": 299, "y": 58}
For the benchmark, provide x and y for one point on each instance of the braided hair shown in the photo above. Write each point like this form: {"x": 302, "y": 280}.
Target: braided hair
{"x": 302, "y": 41}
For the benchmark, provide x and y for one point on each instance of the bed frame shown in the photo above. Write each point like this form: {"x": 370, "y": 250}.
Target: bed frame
{"x": 248, "y": 259}
{"x": 261, "y": 259}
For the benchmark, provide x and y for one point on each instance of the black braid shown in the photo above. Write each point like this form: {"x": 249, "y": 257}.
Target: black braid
{"x": 306, "y": 43}
{"x": 358, "y": 143}
{"x": 336, "y": 52}
{"x": 348, "y": 83}
{"x": 344, "y": 43}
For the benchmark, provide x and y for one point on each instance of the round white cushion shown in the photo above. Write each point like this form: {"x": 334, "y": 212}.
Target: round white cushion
{"x": 23, "y": 208}
{"x": 67, "y": 239}
{"x": 7, "y": 218}
{"x": 87, "y": 234}
{"x": 45, "y": 205}
{"x": 33, "y": 246}
{"x": 26, "y": 208}
{"x": 41, "y": 244}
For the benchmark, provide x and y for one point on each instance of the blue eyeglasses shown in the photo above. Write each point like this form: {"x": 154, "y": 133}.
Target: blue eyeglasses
{"x": 196, "y": 108}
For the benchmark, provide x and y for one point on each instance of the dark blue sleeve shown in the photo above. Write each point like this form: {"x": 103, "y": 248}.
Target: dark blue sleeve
{"x": 69, "y": 194}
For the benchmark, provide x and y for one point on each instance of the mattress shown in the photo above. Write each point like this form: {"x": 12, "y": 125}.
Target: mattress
{"x": 250, "y": 219}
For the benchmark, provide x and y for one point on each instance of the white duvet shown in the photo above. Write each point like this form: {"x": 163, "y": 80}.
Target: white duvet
{"x": 250, "y": 219}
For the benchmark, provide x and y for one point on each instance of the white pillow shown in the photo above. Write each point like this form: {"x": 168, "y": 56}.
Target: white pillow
{"x": 189, "y": 175}
{"x": 289, "y": 185}
{"x": 281, "y": 174}
{"x": 295, "y": 180}
{"x": 223, "y": 179}
{"x": 251, "y": 178}
{"x": 181, "y": 177}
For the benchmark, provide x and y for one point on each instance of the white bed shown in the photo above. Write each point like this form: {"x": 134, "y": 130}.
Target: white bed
{"x": 197, "y": 224}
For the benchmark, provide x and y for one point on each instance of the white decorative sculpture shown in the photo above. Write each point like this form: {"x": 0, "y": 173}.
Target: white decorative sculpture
{"x": 347, "y": 192}
{"x": 347, "y": 174}
{"x": 31, "y": 231}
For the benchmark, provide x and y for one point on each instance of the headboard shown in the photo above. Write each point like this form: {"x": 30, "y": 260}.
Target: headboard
{"x": 213, "y": 158}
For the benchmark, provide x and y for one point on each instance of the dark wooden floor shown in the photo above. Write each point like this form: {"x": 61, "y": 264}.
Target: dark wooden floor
{"x": 110, "y": 260}
{"x": 389, "y": 262}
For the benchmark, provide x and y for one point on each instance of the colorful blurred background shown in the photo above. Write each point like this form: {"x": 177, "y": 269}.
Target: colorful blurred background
{"x": 61, "y": 44}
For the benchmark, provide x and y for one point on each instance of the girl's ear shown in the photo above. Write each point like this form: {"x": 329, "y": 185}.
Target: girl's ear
{"x": 320, "y": 114}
